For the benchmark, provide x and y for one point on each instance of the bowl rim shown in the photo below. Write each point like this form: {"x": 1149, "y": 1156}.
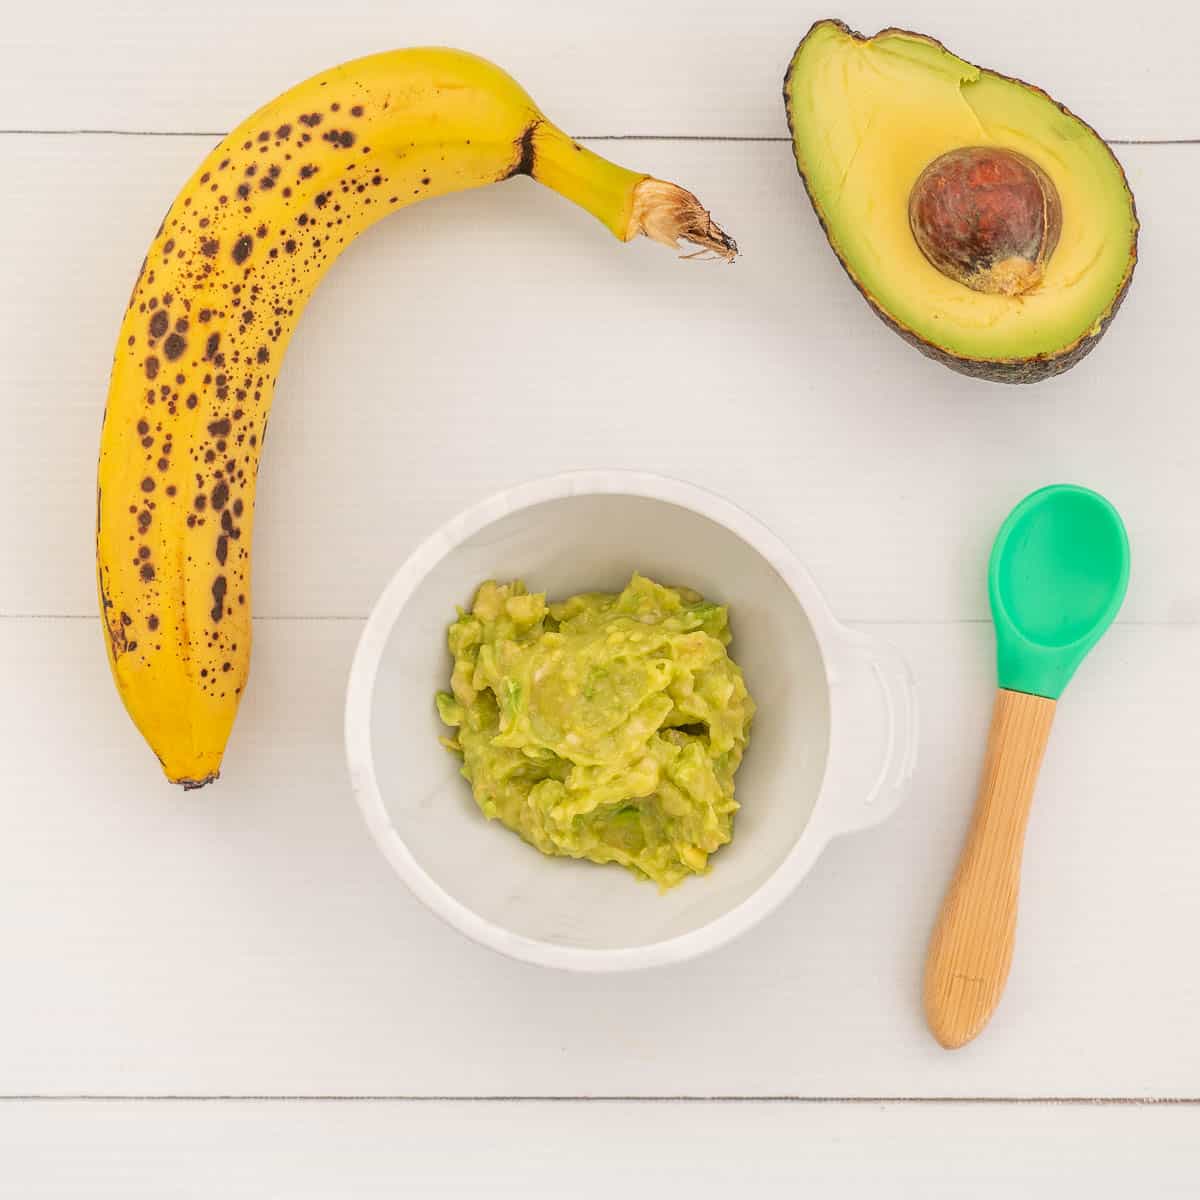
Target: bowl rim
{"x": 831, "y": 637}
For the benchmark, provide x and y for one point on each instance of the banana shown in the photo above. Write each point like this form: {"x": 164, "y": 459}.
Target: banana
{"x": 220, "y": 291}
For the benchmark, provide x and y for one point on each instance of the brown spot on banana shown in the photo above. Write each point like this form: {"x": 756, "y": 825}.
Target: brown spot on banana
{"x": 525, "y": 152}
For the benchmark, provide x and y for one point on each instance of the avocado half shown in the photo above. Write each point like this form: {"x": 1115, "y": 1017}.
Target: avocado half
{"x": 868, "y": 116}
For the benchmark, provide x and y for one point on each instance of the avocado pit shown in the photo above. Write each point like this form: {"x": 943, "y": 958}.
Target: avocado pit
{"x": 986, "y": 217}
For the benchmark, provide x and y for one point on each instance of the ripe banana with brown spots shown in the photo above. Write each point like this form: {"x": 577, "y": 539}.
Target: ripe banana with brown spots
{"x": 221, "y": 289}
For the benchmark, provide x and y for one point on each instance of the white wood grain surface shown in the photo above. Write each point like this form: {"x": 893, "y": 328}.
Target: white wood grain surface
{"x": 624, "y": 67}
{"x": 248, "y": 1151}
{"x": 249, "y": 941}
{"x": 464, "y": 346}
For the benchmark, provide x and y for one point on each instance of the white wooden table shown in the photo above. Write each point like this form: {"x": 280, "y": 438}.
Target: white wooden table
{"x": 229, "y": 994}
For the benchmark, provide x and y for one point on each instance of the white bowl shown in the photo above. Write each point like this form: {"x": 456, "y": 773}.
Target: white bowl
{"x": 832, "y": 749}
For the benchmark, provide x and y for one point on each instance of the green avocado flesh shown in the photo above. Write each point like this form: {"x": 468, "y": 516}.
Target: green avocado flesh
{"x": 607, "y": 727}
{"x": 868, "y": 115}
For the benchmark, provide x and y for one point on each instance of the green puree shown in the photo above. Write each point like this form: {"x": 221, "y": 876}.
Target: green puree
{"x": 605, "y": 727}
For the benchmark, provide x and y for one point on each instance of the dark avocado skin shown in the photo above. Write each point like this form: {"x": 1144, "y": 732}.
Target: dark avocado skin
{"x": 992, "y": 370}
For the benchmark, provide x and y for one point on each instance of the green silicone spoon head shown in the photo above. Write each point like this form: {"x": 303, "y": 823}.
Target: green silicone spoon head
{"x": 1057, "y": 577}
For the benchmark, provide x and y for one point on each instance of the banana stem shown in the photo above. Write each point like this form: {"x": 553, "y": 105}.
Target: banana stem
{"x": 666, "y": 212}
{"x": 628, "y": 202}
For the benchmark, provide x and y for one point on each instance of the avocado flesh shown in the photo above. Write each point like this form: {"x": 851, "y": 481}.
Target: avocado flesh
{"x": 868, "y": 115}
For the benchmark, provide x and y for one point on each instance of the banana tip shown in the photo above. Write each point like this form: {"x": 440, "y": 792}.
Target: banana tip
{"x": 192, "y": 785}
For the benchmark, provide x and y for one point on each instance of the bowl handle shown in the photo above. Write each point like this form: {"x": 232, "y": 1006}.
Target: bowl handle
{"x": 879, "y": 752}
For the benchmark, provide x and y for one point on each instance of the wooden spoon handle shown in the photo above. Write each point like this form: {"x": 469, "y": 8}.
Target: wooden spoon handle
{"x": 972, "y": 944}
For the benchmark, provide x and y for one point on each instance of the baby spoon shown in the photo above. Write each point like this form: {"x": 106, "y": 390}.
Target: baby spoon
{"x": 1057, "y": 576}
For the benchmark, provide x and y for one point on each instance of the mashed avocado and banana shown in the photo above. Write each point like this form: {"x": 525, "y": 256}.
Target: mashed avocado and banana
{"x": 606, "y": 727}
